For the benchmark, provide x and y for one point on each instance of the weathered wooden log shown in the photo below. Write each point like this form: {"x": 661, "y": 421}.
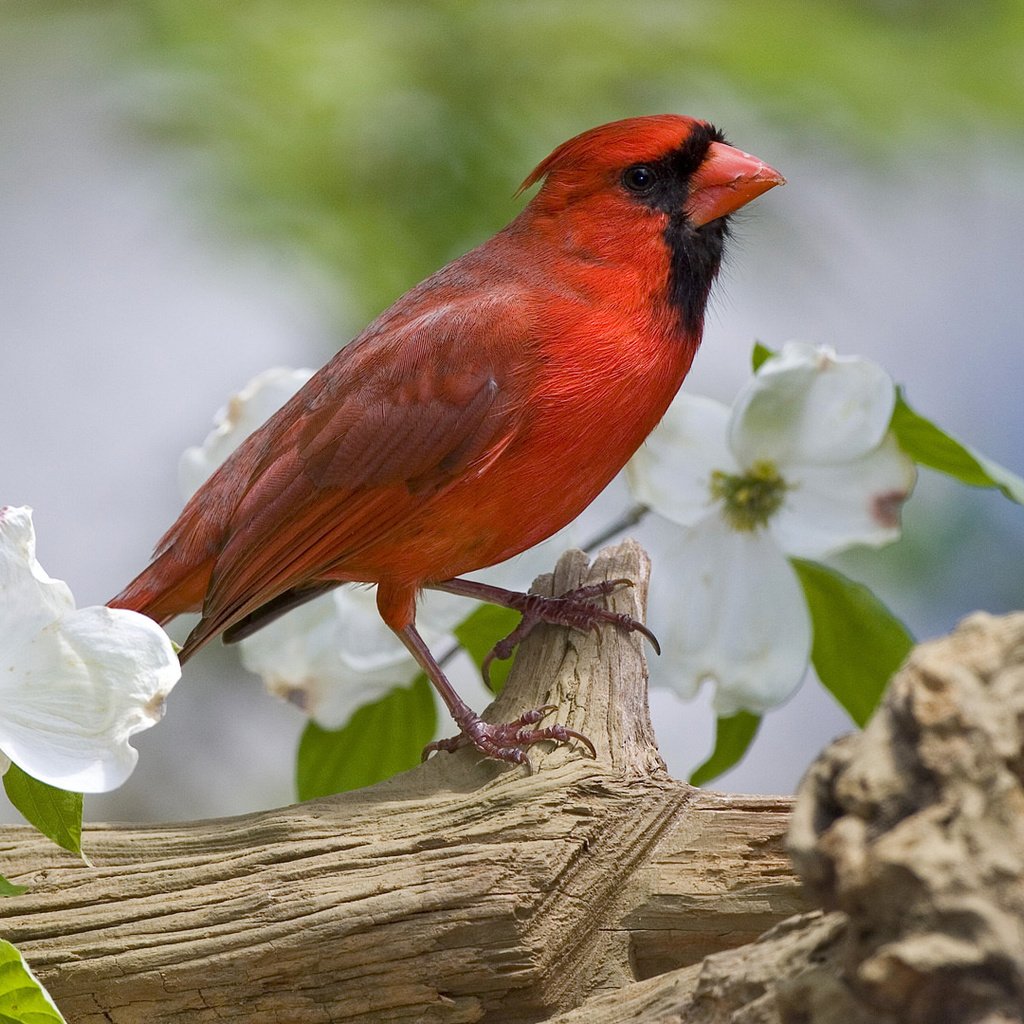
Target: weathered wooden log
{"x": 587, "y": 892}
{"x": 463, "y": 890}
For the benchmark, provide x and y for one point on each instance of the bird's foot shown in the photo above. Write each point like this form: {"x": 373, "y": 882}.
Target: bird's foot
{"x": 575, "y": 608}
{"x": 506, "y": 741}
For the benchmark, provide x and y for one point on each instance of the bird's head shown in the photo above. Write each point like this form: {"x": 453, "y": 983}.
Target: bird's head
{"x": 668, "y": 179}
{"x": 675, "y": 165}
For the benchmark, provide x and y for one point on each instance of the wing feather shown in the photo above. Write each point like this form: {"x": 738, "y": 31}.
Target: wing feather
{"x": 368, "y": 441}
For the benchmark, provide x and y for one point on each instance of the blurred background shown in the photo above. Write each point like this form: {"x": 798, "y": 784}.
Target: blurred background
{"x": 191, "y": 193}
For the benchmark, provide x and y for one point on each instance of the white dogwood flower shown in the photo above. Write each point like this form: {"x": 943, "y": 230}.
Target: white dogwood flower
{"x": 75, "y": 684}
{"x": 802, "y": 465}
{"x": 331, "y": 655}
{"x": 246, "y": 411}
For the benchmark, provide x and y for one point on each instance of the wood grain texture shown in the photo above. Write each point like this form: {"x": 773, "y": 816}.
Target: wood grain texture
{"x": 463, "y": 890}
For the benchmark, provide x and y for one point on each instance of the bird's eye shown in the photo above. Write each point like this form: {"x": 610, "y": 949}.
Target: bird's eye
{"x": 640, "y": 179}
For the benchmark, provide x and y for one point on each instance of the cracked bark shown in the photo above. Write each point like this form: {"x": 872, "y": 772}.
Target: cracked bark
{"x": 465, "y": 890}
{"x": 911, "y": 836}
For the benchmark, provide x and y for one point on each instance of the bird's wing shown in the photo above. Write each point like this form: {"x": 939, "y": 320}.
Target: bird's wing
{"x": 377, "y": 433}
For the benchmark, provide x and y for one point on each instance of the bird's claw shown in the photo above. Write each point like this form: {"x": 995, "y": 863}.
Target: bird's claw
{"x": 574, "y": 608}
{"x": 505, "y": 741}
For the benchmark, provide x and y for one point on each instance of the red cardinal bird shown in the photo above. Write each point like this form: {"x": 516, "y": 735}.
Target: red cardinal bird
{"x": 479, "y": 414}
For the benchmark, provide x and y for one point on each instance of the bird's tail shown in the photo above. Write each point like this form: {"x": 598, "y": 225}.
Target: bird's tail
{"x": 166, "y": 588}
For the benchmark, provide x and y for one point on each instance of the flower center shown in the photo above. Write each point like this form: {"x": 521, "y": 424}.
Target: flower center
{"x": 749, "y": 499}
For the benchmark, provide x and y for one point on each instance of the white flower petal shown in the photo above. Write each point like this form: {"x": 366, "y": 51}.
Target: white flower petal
{"x": 79, "y": 689}
{"x": 74, "y": 685}
{"x": 737, "y": 616}
{"x": 808, "y": 405}
{"x": 830, "y": 508}
{"x": 437, "y": 612}
{"x": 332, "y": 655}
{"x": 671, "y": 472}
{"x": 29, "y": 598}
{"x": 250, "y": 408}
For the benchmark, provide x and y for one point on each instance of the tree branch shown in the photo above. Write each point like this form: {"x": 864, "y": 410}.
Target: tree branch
{"x": 463, "y": 890}
{"x": 588, "y": 892}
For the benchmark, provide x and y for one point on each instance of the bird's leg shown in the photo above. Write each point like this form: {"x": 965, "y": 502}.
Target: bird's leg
{"x": 575, "y": 608}
{"x": 504, "y": 740}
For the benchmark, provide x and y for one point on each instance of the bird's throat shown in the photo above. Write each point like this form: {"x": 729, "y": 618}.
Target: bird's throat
{"x": 695, "y": 255}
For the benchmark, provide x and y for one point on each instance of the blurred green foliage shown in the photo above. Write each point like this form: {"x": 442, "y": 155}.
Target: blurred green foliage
{"x": 383, "y": 139}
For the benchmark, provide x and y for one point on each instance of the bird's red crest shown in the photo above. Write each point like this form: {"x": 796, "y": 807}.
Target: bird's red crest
{"x": 616, "y": 144}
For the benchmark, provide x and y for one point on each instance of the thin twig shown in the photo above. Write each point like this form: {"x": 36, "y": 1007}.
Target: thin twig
{"x": 629, "y": 518}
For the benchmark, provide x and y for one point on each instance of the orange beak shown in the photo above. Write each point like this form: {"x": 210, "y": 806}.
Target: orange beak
{"x": 726, "y": 180}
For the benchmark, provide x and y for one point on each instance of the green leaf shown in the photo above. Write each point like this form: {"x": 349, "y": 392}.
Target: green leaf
{"x": 733, "y": 735}
{"x": 858, "y": 642}
{"x": 57, "y": 813}
{"x": 10, "y": 889}
{"x": 927, "y": 444}
{"x": 23, "y": 1000}
{"x": 481, "y": 631}
{"x": 379, "y": 740}
{"x": 760, "y": 354}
